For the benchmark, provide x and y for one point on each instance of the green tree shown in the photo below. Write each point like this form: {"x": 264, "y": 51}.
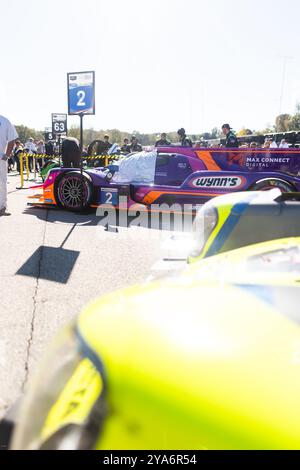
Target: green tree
{"x": 244, "y": 131}
{"x": 294, "y": 123}
{"x": 215, "y": 133}
{"x": 25, "y": 132}
{"x": 282, "y": 122}
{"x": 74, "y": 131}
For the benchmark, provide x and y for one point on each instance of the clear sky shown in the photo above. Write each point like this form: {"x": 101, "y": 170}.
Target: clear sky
{"x": 160, "y": 64}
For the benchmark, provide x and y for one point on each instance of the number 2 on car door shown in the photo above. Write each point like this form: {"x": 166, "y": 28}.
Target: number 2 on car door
{"x": 108, "y": 198}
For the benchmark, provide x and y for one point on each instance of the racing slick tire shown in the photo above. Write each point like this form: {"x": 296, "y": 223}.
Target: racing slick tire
{"x": 68, "y": 190}
{"x": 271, "y": 183}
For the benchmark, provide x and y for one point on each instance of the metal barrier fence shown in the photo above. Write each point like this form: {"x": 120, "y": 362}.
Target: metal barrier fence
{"x": 24, "y": 159}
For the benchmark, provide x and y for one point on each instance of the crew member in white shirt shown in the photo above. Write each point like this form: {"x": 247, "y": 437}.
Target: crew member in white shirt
{"x": 30, "y": 147}
{"x": 8, "y": 135}
{"x": 284, "y": 144}
{"x": 273, "y": 144}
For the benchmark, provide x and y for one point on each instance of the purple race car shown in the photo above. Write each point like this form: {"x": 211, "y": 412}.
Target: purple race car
{"x": 169, "y": 175}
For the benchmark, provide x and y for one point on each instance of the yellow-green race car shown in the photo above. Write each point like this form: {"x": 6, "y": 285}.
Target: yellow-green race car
{"x": 235, "y": 220}
{"x": 192, "y": 362}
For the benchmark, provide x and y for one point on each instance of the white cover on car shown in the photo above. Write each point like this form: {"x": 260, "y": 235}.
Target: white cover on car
{"x": 137, "y": 168}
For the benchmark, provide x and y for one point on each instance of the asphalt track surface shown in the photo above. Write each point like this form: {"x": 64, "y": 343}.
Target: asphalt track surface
{"x": 52, "y": 264}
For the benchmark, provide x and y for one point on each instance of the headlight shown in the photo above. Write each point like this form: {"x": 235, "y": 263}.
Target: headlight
{"x": 64, "y": 407}
{"x": 204, "y": 223}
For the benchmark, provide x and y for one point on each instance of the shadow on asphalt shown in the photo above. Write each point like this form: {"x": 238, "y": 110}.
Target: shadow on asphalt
{"x": 50, "y": 263}
{"x": 65, "y": 217}
{"x": 111, "y": 221}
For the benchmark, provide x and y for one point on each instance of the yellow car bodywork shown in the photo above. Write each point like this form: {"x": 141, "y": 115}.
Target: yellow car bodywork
{"x": 191, "y": 362}
{"x": 196, "y": 363}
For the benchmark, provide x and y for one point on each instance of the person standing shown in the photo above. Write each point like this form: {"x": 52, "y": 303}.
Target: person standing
{"x": 8, "y": 135}
{"x": 163, "y": 141}
{"x": 30, "y": 145}
{"x": 107, "y": 145}
{"x": 30, "y": 148}
{"x": 126, "y": 146}
{"x": 184, "y": 140}
{"x": 40, "y": 148}
{"x": 18, "y": 149}
{"x": 231, "y": 140}
{"x": 49, "y": 149}
{"x": 273, "y": 144}
{"x": 135, "y": 145}
{"x": 284, "y": 144}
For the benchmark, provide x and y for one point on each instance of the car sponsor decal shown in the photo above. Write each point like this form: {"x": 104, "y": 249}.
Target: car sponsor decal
{"x": 219, "y": 182}
{"x": 266, "y": 162}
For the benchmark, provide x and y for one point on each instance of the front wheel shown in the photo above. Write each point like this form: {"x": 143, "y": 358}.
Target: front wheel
{"x": 73, "y": 191}
{"x": 271, "y": 183}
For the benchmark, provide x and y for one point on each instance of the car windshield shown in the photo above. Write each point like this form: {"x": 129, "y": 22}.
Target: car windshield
{"x": 137, "y": 167}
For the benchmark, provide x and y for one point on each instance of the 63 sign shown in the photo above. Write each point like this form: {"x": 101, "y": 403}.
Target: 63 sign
{"x": 59, "y": 124}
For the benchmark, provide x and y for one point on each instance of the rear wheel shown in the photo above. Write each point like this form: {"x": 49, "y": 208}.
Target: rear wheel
{"x": 271, "y": 183}
{"x": 74, "y": 192}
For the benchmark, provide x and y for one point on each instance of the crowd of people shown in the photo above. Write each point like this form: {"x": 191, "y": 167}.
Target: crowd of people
{"x": 39, "y": 147}
{"x": 70, "y": 147}
{"x": 32, "y": 147}
{"x": 269, "y": 143}
{"x": 11, "y": 147}
{"x": 231, "y": 141}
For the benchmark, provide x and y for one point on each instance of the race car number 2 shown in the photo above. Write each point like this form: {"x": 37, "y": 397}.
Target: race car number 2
{"x": 109, "y": 196}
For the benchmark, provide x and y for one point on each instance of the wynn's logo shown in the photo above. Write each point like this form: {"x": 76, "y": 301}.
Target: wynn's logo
{"x": 219, "y": 182}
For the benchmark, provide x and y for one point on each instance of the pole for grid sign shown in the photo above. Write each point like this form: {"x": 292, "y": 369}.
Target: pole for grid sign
{"x": 81, "y": 101}
{"x": 59, "y": 148}
{"x": 81, "y": 161}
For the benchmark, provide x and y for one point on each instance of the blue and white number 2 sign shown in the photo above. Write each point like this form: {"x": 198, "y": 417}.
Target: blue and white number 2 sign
{"x": 81, "y": 93}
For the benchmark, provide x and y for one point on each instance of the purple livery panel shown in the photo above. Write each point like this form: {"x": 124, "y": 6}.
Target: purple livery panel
{"x": 187, "y": 175}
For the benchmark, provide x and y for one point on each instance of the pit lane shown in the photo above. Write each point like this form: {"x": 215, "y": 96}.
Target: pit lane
{"x": 52, "y": 263}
